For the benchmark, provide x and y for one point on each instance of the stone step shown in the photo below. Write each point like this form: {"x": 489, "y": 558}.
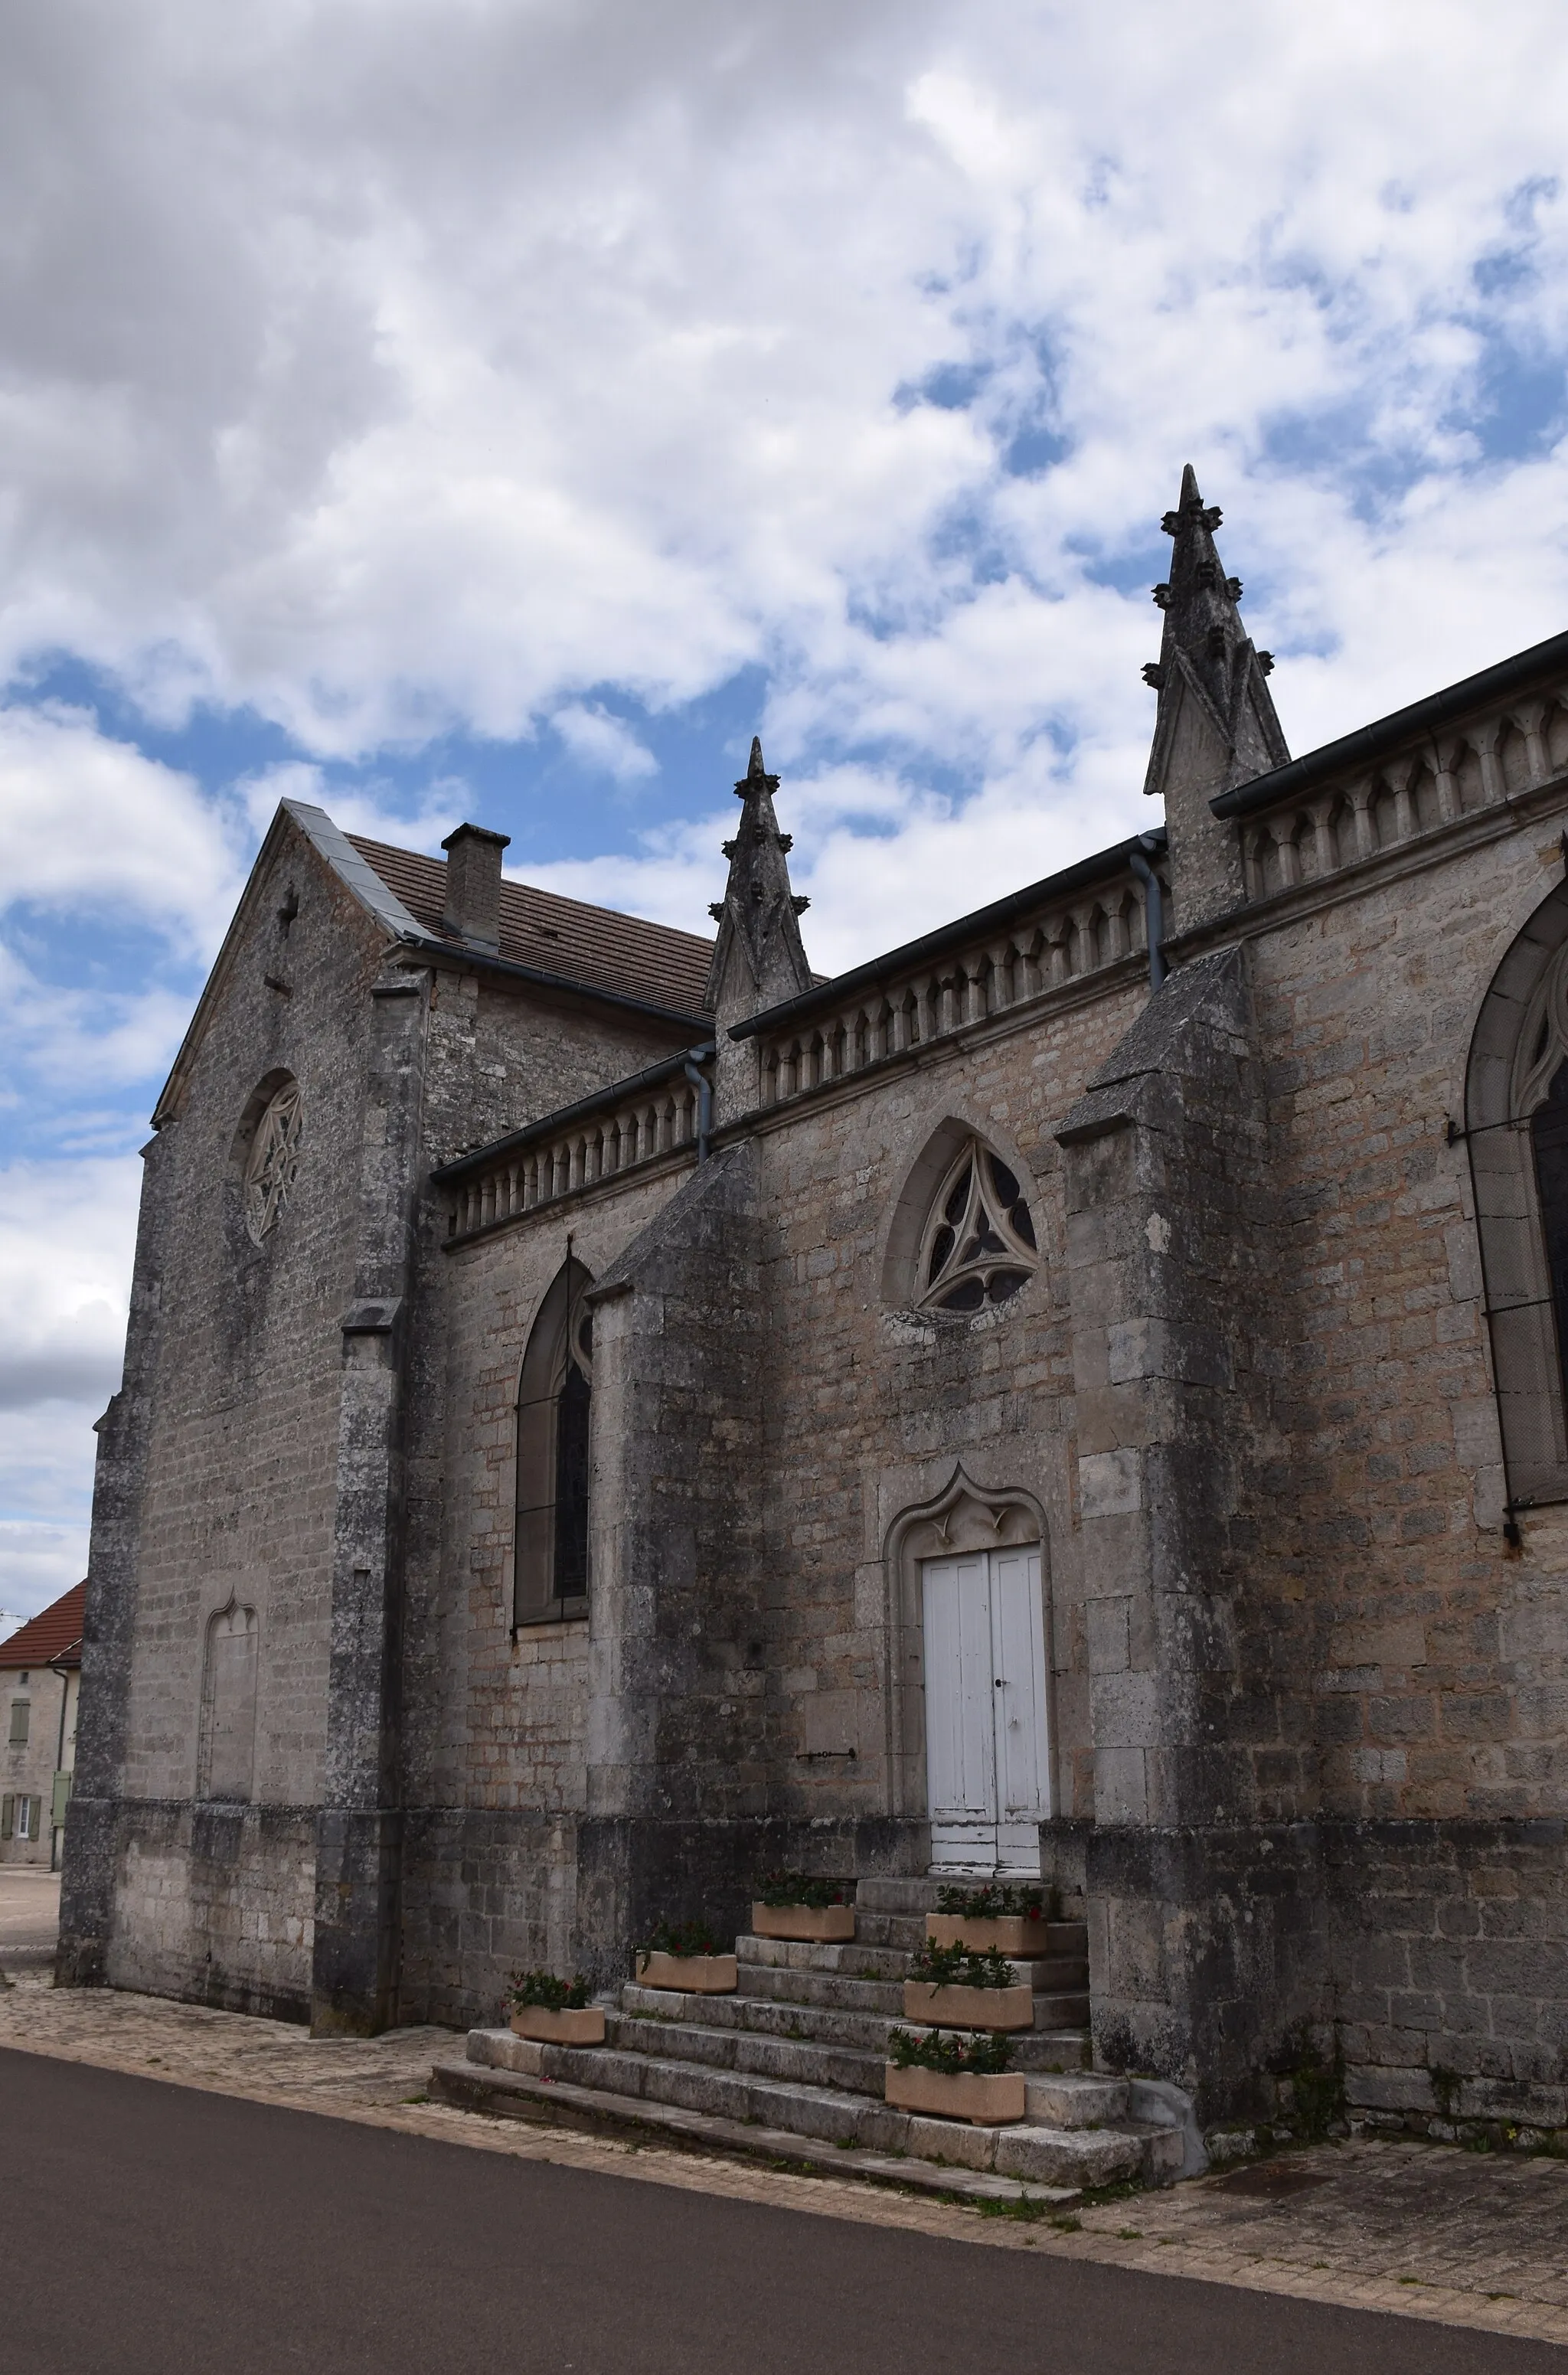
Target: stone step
{"x": 1081, "y": 2157}
{"x": 501, "y": 2093}
{"x": 801, "y": 2060}
{"x": 920, "y": 1895}
{"x": 1067, "y": 1968}
{"x": 650, "y": 2013}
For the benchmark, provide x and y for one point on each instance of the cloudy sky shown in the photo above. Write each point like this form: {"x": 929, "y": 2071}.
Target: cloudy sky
{"x": 502, "y": 407}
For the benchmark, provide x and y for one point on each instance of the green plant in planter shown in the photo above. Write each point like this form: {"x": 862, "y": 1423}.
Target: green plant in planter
{"x": 683, "y": 1938}
{"x": 997, "y": 1901}
{"x": 962, "y": 1966}
{"x": 799, "y": 1888}
{"x": 952, "y": 2050}
{"x": 543, "y": 1989}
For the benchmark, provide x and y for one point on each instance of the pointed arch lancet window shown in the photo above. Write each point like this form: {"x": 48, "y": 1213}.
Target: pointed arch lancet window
{"x": 554, "y": 1398}
{"x": 979, "y": 1244}
{"x": 274, "y": 1162}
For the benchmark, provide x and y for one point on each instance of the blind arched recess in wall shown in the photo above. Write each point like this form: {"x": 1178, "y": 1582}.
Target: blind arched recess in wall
{"x": 1516, "y": 1121}
{"x": 554, "y": 1393}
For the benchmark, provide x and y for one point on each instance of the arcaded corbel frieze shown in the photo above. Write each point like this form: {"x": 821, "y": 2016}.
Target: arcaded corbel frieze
{"x": 1445, "y": 757}
{"x": 1531, "y": 718}
{"x": 1397, "y": 775}
{"x": 1484, "y": 740}
{"x": 1322, "y": 815}
{"x": 1359, "y": 795}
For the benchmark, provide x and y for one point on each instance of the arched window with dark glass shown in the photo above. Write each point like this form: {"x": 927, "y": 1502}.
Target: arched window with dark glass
{"x": 551, "y": 1578}
{"x": 1549, "y": 1139}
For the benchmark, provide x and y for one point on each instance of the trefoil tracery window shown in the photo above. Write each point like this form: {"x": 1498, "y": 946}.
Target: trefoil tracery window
{"x": 979, "y": 1245}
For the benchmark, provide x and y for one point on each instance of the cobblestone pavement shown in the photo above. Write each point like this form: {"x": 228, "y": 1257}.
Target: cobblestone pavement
{"x": 1417, "y": 2231}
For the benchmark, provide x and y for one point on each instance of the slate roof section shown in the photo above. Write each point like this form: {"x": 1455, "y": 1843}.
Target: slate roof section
{"x": 594, "y": 946}
{"x": 56, "y": 1634}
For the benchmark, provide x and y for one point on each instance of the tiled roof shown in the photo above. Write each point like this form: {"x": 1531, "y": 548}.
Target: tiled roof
{"x": 592, "y": 945}
{"x": 55, "y": 1633}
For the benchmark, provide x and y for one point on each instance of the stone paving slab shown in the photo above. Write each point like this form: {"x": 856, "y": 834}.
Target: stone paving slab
{"x": 1416, "y": 2230}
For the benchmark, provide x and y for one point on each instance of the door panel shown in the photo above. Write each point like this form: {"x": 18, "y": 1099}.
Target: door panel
{"x": 987, "y": 1752}
{"x": 960, "y": 1759}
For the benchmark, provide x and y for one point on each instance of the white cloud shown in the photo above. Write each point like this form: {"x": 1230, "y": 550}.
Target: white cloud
{"x": 604, "y": 743}
{"x": 400, "y": 370}
{"x": 88, "y": 822}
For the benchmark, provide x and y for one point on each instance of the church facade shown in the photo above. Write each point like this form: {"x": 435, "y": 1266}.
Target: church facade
{"x": 1081, "y": 1396}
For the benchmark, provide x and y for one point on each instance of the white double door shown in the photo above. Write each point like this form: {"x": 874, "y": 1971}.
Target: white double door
{"x": 987, "y": 1752}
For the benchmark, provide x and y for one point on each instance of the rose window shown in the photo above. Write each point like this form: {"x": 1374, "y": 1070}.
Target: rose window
{"x": 274, "y": 1161}
{"x": 979, "y": 1244}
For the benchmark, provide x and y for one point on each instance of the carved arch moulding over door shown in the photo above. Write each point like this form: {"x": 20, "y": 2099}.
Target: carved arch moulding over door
{"x": 1516, "y": 1126}
{"x": 964, "y": 1523}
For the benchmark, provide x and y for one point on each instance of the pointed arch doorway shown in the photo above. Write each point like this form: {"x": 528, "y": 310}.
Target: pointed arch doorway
{"x": 972, "y": 1715}
{"x": 987, "y": 1746}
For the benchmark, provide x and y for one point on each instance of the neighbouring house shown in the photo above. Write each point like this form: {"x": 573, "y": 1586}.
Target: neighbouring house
{"x": 40, "y": 1684}
{"x": 1079, "y": 1395}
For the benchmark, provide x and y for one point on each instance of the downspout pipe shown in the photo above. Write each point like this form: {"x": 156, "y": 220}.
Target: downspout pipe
{"x": 704, "y": 1088}
{"x": 1153, "y": 913}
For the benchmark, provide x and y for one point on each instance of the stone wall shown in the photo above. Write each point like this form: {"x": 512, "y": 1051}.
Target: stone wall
{"x": 215, "y": 1903}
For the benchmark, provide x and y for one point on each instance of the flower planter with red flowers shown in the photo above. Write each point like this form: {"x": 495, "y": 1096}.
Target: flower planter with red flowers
{"x": 953, "y": 2077}
{"x": 960, "y": 2007}
{"x": 553, "y": 2011}
{"x": 1011, "y": 1934}
{"x": 685, "y": 1956}
{"x": 960, "y": 1987}
{"x": 989, "y": 2101}
{"x": 795, "y": 1905}
{"x": 997, "y": 1919}
{"x": 582, "y": 2024}
{"x": 697, "y": 1975}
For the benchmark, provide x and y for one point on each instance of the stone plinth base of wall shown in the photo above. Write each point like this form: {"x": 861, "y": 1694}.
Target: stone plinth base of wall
{"x": 213, "y": 1904}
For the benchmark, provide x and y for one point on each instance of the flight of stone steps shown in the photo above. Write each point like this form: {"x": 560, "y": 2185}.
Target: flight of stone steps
{"x": 791, "y": 2065}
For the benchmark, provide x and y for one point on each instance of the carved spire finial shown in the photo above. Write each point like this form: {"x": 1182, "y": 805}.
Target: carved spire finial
{"x": 757, "y": 957}
{"x": 1206, "y": 654}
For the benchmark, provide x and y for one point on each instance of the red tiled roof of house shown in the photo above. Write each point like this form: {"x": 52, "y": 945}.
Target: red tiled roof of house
{"x": 593, "y": 945}
{"x": 55, "y": 1633}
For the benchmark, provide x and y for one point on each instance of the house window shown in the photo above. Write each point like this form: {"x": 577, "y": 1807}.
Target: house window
{"x": 21, "y": 1717}
{"x": 24, "y": 1817}
{"x": 554, "y": 1400}
{"x": 979, "y": 1245}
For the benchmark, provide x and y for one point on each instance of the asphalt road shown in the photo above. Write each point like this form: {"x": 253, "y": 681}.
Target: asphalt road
{"x": 151, "y": 2230}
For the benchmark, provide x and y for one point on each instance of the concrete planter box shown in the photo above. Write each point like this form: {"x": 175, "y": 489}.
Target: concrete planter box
{"x": 1009, "y": 1933}
{"x": 584, "y": 2026}
{"x": 820, "y": 1925}
{"x": 697, "y": 1975}
{"x": 992, "y": 2101}
{"x": 968, "y": 2008}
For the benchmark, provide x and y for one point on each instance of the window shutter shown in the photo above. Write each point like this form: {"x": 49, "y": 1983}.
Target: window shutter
{"x": 8, "y": 1810}
{"x": 62, "y": 1798}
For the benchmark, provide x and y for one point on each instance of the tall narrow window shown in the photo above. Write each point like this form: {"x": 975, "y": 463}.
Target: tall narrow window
{"x": 553, "y": 1403}
{"x": 228, "y": 1707}
{"x": 1549, "y": 1134}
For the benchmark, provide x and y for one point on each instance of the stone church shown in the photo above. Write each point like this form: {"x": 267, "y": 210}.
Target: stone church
{"x": 1081, "y": 1395}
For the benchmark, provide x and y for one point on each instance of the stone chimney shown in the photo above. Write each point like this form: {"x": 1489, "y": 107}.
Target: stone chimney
{"x": 473, "y": 884}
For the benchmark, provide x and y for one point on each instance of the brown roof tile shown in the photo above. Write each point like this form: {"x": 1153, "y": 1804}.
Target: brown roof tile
{"x": 593, "y": 945}
{"x": 53, "y": 1632}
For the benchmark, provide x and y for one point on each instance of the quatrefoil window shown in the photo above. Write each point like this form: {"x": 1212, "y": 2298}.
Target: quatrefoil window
{"x": 979, "y": 1246}
{"x": 274, "y": 1162}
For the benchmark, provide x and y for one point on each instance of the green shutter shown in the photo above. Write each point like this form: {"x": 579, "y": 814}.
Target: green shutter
{"x": 7, "y": 1813}
{"x": 62, "y": 1798}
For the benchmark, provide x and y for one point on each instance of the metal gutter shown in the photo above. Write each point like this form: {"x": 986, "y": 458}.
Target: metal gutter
{"x": 1102, "y": 867}
{"x": 602, "y": 1101}
{"x": 1370, "y": 743}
